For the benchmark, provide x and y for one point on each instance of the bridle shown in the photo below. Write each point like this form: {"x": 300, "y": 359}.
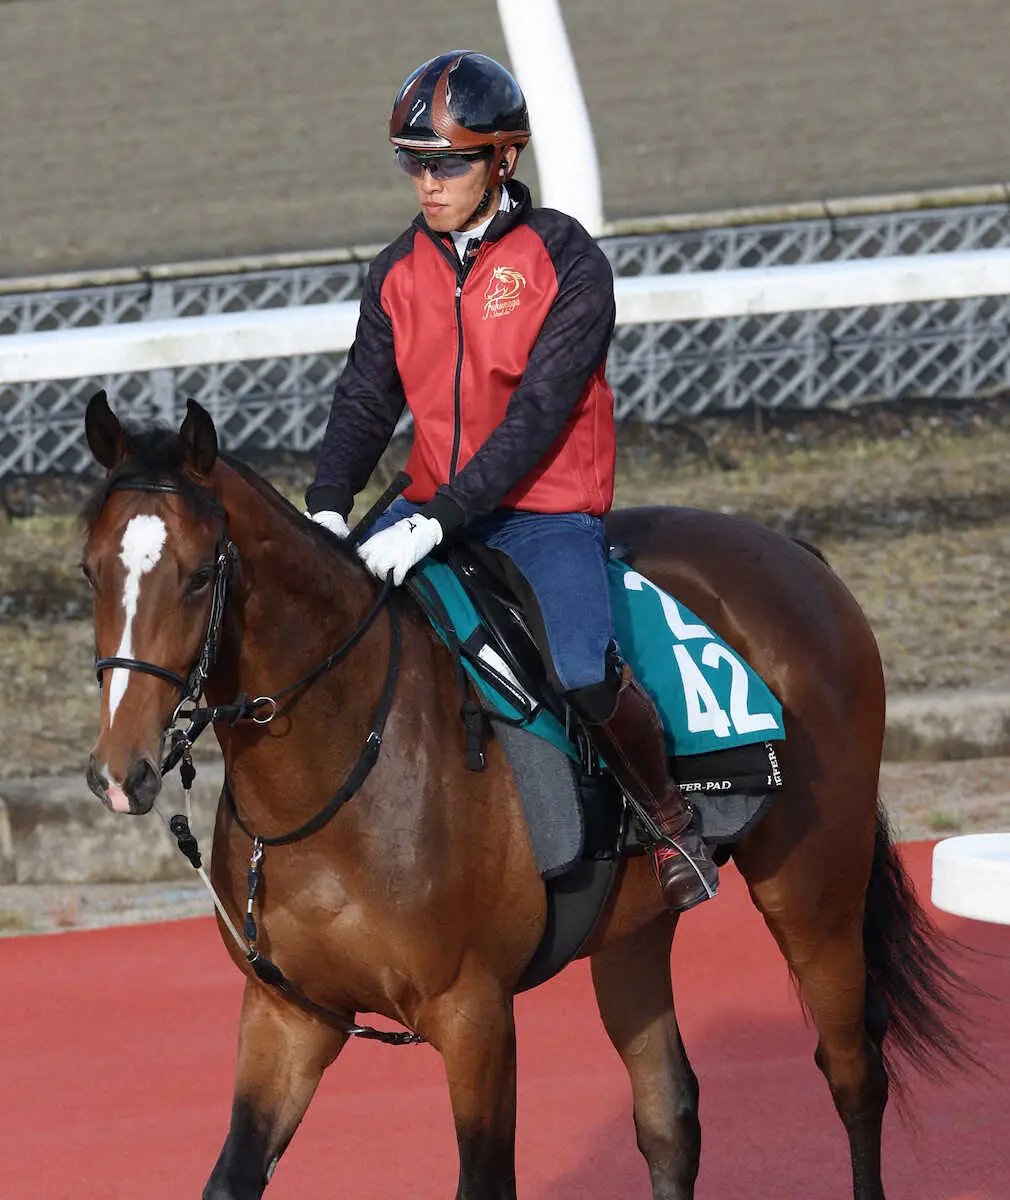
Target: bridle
{"x": 225, "y": 558}
{"x": 191, "y": 688}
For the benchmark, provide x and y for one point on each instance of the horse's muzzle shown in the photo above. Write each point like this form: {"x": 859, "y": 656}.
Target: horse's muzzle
{"x": 139, "y": 791}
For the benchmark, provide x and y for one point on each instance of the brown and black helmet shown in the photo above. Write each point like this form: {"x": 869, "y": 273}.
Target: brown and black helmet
{"x": 460, "y": 101}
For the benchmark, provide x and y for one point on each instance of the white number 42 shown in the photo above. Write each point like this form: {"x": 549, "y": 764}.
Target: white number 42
{"x": 704, "y": 713}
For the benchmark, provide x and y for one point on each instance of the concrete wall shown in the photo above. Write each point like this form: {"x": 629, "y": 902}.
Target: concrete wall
{"x": 134, "y": 131}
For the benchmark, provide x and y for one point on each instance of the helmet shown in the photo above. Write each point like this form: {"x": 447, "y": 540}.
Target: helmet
{"x": 460, "y": 101}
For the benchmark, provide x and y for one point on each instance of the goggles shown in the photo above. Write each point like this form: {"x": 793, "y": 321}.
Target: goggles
{"x": 439, "y": 166}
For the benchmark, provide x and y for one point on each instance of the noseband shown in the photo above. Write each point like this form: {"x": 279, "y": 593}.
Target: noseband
{"x": 225, "y": 558}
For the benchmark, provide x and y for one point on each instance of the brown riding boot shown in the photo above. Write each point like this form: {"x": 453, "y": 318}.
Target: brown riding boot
{"x": 631, "y": 742}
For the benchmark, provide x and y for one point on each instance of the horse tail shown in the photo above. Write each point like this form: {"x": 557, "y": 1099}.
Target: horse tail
{"x": 913, "y": 994}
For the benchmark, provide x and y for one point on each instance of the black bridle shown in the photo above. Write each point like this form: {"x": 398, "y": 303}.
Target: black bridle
{"x": 225, "y": 558}
{"x": 242, "y": 708}
{"x": 191, "y": 688}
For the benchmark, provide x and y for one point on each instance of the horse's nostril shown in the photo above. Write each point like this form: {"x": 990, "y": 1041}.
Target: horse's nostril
{"x": 96, "y": 781}
{"x": 143, "y": 783}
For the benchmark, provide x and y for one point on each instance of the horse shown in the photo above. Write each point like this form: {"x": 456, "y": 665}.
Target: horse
{"x": 420, "y": 899}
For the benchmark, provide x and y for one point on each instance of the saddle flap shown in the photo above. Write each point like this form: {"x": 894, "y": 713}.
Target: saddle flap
{"x": 504, "y": 651}
{"x": 490, "y": 663}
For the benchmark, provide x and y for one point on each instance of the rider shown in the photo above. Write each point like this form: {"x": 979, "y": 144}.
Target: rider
{"x": 491, "y": 320}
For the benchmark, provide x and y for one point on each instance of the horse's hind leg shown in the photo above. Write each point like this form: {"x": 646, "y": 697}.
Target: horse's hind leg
{"x": 282, "y": 1053}
{"x": 635, "y": 998}
{"x": 813, "y": 904}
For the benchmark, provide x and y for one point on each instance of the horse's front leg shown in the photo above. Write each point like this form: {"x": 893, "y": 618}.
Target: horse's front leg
{"x": 282, "y": 1054}
{"x": 474, "y": 1029}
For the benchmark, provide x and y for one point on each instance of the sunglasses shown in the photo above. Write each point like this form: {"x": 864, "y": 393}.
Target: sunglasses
{"x": 438, "y": 166}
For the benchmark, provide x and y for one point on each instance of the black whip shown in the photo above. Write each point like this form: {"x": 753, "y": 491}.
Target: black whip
{"x": 401, "y": 481}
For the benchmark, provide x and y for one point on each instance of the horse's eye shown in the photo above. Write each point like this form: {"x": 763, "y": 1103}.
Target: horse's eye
{"x": 200, "y": 580}
{"x": 87, "y": 575}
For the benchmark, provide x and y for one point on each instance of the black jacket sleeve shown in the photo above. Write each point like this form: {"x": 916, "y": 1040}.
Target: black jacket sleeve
{"x": 367, "y": 403}
{"x": 572, "y": 344}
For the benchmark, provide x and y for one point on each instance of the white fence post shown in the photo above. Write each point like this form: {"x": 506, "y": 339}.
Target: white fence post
{"x": 563, "y": 141}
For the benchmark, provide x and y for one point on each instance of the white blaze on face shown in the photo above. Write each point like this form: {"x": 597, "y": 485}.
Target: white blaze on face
{"x": 143, "y": 542}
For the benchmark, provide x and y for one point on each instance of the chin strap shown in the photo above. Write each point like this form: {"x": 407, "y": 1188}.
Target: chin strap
{"x": 481, "y": 209}
{"x": 497, "y": 161}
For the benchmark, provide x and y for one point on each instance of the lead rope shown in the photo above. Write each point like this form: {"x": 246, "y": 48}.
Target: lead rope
{"x": 181, "y": 828}
{"x": 175, "y": 825}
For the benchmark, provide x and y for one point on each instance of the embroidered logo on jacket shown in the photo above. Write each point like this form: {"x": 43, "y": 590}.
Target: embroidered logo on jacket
{"x": 502, "y": 295}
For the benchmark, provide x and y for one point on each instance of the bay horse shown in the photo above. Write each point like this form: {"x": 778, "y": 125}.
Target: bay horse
{"x": 420, "y": 899}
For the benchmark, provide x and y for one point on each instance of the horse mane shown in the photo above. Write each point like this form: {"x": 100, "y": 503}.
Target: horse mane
{"x": 266, "y": 490}
{"x": 156, "y": 454}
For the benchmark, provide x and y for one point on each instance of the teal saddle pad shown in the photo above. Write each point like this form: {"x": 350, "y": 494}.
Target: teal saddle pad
{"x": 707, "y": 696}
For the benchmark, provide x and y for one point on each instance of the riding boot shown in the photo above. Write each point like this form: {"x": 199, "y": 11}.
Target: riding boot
{"x": 631, "y": 743}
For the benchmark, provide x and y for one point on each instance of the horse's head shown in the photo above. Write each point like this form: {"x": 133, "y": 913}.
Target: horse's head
{"x": 152, "y": 557}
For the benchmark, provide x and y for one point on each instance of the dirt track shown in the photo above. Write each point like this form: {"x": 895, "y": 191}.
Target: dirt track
{"x": 120, "y": 1054}
{"x": 139, "y": 133}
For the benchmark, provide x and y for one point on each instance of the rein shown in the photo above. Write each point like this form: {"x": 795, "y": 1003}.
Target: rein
{"x": 373, "y": 743}
{"x": 226, "y": 556}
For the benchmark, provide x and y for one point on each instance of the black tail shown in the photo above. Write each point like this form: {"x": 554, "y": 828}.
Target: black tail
{"x": 914, "y": 994}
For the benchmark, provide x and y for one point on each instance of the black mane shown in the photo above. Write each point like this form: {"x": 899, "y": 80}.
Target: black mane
{"x": 153, "y": 455}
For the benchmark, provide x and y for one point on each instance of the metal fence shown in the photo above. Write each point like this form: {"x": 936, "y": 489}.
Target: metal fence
{"x": 659, "y": 372}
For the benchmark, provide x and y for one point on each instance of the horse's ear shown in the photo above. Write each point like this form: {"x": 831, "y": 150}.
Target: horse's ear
{"x": 105, "y": 435}
{"x": 199, "y": 439}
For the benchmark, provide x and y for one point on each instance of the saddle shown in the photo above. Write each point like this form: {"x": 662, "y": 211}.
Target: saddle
{"x": 580, "y": 823}
{"x": 507, "y": 649}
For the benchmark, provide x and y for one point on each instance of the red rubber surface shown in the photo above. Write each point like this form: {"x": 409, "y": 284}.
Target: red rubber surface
{"x": 118, "y": 1049}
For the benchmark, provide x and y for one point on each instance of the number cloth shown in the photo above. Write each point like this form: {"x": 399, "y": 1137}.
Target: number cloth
{"x": 707, "y": 696}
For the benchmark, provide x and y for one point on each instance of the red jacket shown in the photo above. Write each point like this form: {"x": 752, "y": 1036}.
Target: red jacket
{"x": 502, "y": 363}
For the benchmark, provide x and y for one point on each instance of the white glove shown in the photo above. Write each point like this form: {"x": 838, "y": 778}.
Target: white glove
{"x": 332, "y": 521}
{"x": 400, "y": 547}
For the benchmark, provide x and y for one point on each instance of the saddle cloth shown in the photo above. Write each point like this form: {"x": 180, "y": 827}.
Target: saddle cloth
{"x": 707, "y": 696}
{"x": 719, "y": 718}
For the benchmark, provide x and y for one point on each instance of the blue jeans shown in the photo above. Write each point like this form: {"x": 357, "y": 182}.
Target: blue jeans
{"x": 563, "y": 557}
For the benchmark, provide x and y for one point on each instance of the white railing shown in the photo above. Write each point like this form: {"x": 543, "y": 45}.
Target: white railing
{"x": 329, "y": 328}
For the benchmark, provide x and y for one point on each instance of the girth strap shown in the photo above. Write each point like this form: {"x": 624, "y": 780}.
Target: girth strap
{"x": 268, "y": 972}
